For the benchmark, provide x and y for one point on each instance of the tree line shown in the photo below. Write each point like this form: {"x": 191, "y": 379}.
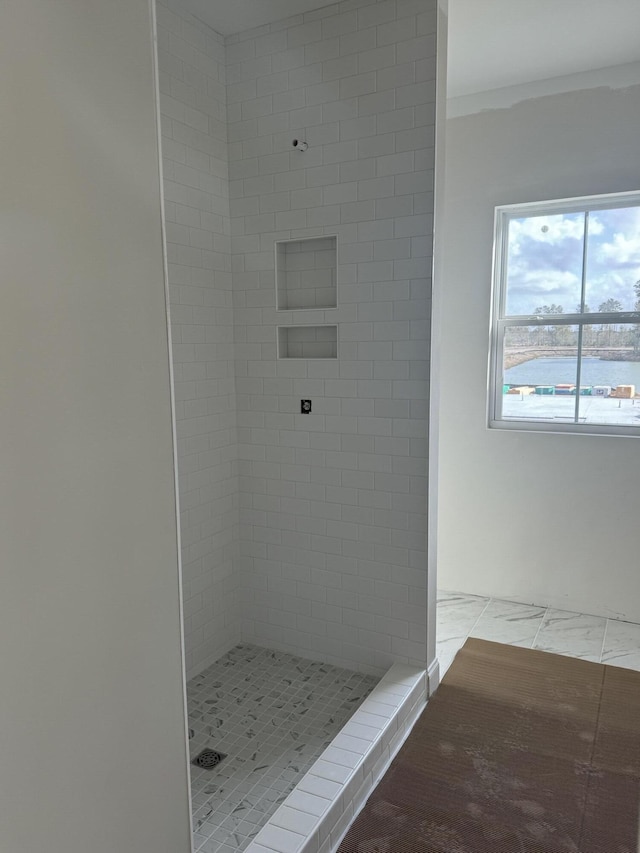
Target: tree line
{"x": 625, "y": 335}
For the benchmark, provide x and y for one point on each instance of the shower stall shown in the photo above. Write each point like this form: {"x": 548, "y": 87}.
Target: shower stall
{"x": 298, "y": 165}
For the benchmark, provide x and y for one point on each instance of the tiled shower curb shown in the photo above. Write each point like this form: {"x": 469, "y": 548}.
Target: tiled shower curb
{"x": 317, "y": 813}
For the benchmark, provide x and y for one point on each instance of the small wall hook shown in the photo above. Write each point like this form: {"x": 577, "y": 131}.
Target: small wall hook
{"x": 300, "y": 144}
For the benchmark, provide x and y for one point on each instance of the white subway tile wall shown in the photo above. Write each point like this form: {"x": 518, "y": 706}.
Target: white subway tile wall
{"x": 191, "y": 60}
{"x": 333, "y": 503}
{"x": 302, "y": 532}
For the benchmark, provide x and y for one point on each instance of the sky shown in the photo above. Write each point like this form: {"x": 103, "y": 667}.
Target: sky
{"x": 545, "y": 260}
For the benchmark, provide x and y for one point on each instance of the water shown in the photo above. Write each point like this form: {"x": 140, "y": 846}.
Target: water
{"x": 560, "y": 371}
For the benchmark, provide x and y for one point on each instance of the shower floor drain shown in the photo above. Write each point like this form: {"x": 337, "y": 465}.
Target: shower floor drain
{"x": 208, "y": 759}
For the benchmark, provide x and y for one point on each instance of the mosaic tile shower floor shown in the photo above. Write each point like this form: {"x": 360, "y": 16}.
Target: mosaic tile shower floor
{"x": 273, "y": 714}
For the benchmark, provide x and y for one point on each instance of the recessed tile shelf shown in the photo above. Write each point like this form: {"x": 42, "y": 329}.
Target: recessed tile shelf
{"x": 307, "y": 342}
{"x": 307, "y": 273}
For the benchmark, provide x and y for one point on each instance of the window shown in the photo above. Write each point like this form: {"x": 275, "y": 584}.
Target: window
{"x": 565, "y": 329}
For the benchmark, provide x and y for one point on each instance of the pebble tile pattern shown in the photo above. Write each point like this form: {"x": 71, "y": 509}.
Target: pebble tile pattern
{"x": 273, "y": 714}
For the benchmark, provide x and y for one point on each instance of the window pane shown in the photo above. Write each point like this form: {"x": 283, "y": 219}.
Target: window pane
{"x": 544, "y": 264}
{"x": 610, "y": 375}
{"x": 540, "y": 373}
{"x": 613, "y": 259}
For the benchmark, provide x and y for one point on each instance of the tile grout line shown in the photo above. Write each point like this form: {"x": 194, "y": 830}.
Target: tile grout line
{"x": 544, "y": 616}
{"x": 480, "y": 615}
{"x": 604, "y": 639}
{"x": 467, "y": 633}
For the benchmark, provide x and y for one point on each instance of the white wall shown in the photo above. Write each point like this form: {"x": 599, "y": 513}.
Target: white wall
{"x": 433, "y": 665}
{"x": 333, "y": 504}
{"x": 191, "y": 59}
{"x": 540, "y": 518}
{"x": 92, "y": 731}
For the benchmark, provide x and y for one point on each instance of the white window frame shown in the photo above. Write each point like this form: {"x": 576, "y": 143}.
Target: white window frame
{"x": 499, "y": 321}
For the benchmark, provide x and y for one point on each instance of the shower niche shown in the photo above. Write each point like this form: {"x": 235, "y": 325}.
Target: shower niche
{"x": 308, "y": 342}
{"x": 307, "y": 273}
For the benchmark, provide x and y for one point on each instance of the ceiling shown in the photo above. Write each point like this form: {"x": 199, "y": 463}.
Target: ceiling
{"x": 232, "y": 16}
{"x": 492, "y": 43}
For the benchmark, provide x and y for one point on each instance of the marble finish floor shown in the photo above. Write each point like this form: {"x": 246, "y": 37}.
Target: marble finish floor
{"x": 273, "y": 714}
{"x": 593, "y": 638}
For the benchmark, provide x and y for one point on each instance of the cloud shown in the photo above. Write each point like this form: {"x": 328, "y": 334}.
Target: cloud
{"x": 545, "y": 259}
{"x": 545, "y": 229}
{"x": 622, "y": 250}
{"x": 530, "y": 288}
{"x": 545, "y": 262}
{"x": 620, "y": 243}
{"x": 613, "y": 261}
{"x": 547, "y": 282}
